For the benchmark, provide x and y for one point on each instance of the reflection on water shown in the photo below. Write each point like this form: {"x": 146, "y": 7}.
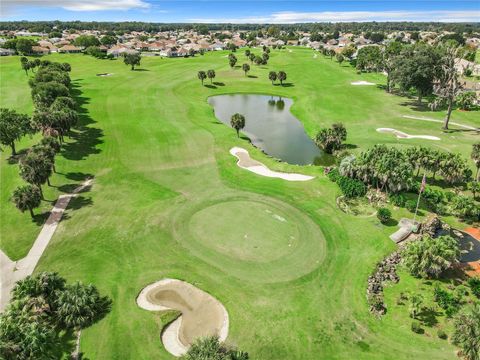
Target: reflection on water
{"x": 271, "y": 127}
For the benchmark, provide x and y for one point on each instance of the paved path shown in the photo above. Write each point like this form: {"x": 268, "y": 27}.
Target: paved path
{"x": 441, "y": 122}
{"x": 12, "y": 271}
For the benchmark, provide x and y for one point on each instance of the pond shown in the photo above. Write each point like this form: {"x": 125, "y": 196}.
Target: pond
{"x": 271, "y": 127}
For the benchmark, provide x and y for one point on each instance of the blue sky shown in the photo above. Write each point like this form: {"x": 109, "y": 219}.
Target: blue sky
{"x": 263, "y": 11}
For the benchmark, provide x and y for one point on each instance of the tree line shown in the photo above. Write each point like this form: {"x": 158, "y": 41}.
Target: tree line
{"x": 428, "y": 70}
{"x": 48, "y": 26}
{"x": 54, "y": 115}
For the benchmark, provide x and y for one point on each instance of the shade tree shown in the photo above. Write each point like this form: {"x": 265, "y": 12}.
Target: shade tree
{"x": 272, "y": 76}
{"x": 27, "y": 197}
{"x": 36, "y": 169}
{"x": 13, "y": 126}
{"x": 132, "y": 60}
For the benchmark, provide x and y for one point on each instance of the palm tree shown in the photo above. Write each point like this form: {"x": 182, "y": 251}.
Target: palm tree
{"x": 247, "y": 53}
{"x": 210, "y": 348}
{"x": 202, "y": 76}
{"x": 467, "y": 331}
{"x": 232, "y": 60}
{"x": 246, "y": 68}
{"x": 252, "y": 57}
{"x": 272, "y": 76}
{"x": 27, "y": 197}
{"x": 416, "y": 301}
{"x": 237, "y": 122}
{"x": 44, "y": 285}
{"x": 429, "y": 257}
{"x": 474, "y": 187}
{"x": 475, "y": 155}
{"x": 79, "y": 306}
{"x": 282, "y": 76}
{"x": 211, "y": 75}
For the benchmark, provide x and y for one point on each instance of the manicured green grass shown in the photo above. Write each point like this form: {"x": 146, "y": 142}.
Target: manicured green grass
{"x": 166, "y": 202}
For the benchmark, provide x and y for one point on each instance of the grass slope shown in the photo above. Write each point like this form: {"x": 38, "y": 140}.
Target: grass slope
{"x": 159, "y": 156}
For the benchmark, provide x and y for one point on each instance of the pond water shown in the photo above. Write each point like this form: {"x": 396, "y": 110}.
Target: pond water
{"x": 271, "y": 127}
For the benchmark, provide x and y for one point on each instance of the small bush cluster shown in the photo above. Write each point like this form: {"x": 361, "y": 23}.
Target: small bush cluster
{"x": 449, "y": 302}
{"x": 350, "y": 188}
{"x": 474, "y": 284}
{"x": 383, "y": 214}
{"x": 416, "y": 327}
{"x": 398, "y": 199}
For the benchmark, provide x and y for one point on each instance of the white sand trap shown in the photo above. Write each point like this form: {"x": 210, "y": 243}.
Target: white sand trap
{"x": 202, "y": 314}
{"x": 362, "y": 83}
{"x": 440, "y": 121}
{"x": 245, "y": 162}
{"x": 401, "y": 135}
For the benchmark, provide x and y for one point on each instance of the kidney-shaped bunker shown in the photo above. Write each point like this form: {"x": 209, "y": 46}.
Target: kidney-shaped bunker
{"x": 202, "y": 314}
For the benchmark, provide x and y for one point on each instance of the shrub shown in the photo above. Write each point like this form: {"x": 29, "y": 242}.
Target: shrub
{"x": 411, "y": 205}
{"x": 466, "y": 100}
{"x": 474, "y": 284}
{"x": 442, "y": 334}
{"x": 416, "y": 327}
{"x": 398, "y": 199}
{"x": 333, "y": 174}
{"x": 383, "y": 214}
{"x": 447, "y": 301}
{"x": 351, "y": 187}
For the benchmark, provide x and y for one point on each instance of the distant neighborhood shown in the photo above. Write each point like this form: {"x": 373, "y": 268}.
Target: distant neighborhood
{"x": 184, "y": 43}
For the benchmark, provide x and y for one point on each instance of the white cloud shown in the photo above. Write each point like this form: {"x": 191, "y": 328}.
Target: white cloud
{"x": 288, "y": 17}
{"x": 9, "y": 6}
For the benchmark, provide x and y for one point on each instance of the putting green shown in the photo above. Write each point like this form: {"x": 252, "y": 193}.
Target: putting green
{"x": 256, "y": 238}
{"x": 246, "y": 230}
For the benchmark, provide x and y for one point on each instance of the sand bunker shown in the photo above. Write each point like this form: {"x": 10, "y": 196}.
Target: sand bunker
{"x": 402, "y": 135}
{"x": 245, "y": 162}
{"x": 105, "y": 74}
{"x": 202, "y": 314}
{"x": 362, "y": 83}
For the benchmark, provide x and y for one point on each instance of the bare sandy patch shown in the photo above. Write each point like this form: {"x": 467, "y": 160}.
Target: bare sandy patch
{"x": 401, "y": 135}
{"x": 360, "y": 83}
{"x": 202, "y": 314}
{"x": 105, "y": 74}
{"x": 246, "y": 162}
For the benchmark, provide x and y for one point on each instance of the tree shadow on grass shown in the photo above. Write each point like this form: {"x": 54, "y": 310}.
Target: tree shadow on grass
{"x": 391, "y": 222}
{"x": 141, "y": 69}
{"x": 15, "y": 159}
{"x": 39, "y": 219}
{"x": 414, "y": 105}
{"x": 79, "y": 202}
{"x": 210, "y": 86}
{"x": 218, "y": 83}
{"x": 253, "y": 76}
{"x": 289, "y": 84}
{"x": 85, "y": 137}
{"x": 78, "y": 176}
{"x": 428, "y": 316}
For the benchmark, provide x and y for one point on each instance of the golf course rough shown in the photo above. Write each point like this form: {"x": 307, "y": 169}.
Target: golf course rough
{"x": 160, "y": 156}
